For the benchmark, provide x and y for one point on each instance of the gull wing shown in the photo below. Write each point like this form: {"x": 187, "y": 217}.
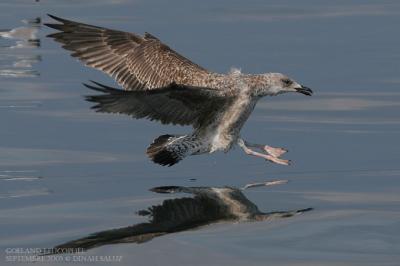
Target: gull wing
{"x": 173, "y": 215}
{"x": 174, "y": 104}
{"x": 136, "y": 62}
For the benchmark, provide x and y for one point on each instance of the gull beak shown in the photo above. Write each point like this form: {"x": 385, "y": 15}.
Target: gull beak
{"x": 304, "y": 90}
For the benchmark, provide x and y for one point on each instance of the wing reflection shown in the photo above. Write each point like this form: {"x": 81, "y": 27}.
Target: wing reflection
{"x": 15, "y": 60}
{"x": 20, "y": 33}
{"x": 208, "y": 205}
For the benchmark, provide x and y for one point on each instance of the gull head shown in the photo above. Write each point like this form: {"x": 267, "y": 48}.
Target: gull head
{"x": 277, "y": 83}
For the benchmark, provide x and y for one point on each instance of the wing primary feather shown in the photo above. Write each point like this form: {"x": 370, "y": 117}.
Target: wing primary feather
{"x": 145, "y": 62}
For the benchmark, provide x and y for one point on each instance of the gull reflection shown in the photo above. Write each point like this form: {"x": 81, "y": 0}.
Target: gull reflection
{"x": 27, "y": 61}
{"x": 24, "y": 36}
{"x": 15, "y": 60}
{"x": 207, "y": 205}
{"x": 20, "y": 33}
{"x": 34, "y": 22}
{"x": 18, "y": 73}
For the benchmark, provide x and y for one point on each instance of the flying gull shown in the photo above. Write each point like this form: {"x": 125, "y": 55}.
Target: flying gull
{"x": 160, "y": 84}
{"x": 207, "y": 206}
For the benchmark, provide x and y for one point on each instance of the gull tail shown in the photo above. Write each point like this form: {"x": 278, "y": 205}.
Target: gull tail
{"x": 168, "y": 150}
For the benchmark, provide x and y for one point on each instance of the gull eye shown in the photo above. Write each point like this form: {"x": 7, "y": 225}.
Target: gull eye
{"x": 287, "y": 82}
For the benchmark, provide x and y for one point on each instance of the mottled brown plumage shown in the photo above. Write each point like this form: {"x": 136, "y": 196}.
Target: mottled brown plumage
{"x": 159, "y": 84}
{"x": 136, "y": 62}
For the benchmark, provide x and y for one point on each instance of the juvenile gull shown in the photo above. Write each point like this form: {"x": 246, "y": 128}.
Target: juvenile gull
{"x": 207, "y": 206}
{"x": 160, "y": 84}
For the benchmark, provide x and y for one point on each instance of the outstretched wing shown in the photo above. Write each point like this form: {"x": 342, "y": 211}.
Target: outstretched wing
{"x": 173, "y": 215}
{"x": 174, "y": 104}
{"x": 138, "y": 233}
{"x": 184, "y": 213}
{"x": 136, "y": 62}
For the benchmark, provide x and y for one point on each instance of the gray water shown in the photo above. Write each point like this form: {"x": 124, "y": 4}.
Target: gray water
{"x": 66, "y": 171}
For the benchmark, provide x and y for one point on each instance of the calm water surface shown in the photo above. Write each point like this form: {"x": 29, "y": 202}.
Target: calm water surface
{"x": 66, "y": 171}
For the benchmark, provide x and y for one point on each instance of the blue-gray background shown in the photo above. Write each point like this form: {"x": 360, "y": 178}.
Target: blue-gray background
{"x": 66, "y": 171}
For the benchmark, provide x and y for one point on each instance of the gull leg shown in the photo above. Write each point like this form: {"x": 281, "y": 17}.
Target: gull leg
{"x": 281, "y": 214}
{"x": 265, "y": 184}
{"x": 267, "y": 157}
{"x": 276, "y": 152}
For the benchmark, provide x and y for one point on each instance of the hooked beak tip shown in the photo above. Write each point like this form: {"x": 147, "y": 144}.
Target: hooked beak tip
{"x": 304, "y": 90}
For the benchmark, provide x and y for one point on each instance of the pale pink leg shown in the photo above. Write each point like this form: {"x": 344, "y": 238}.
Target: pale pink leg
{"x": 267, "y": 157}
{"x": 276, "y": 152}
{"x": 265, "y": 184}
